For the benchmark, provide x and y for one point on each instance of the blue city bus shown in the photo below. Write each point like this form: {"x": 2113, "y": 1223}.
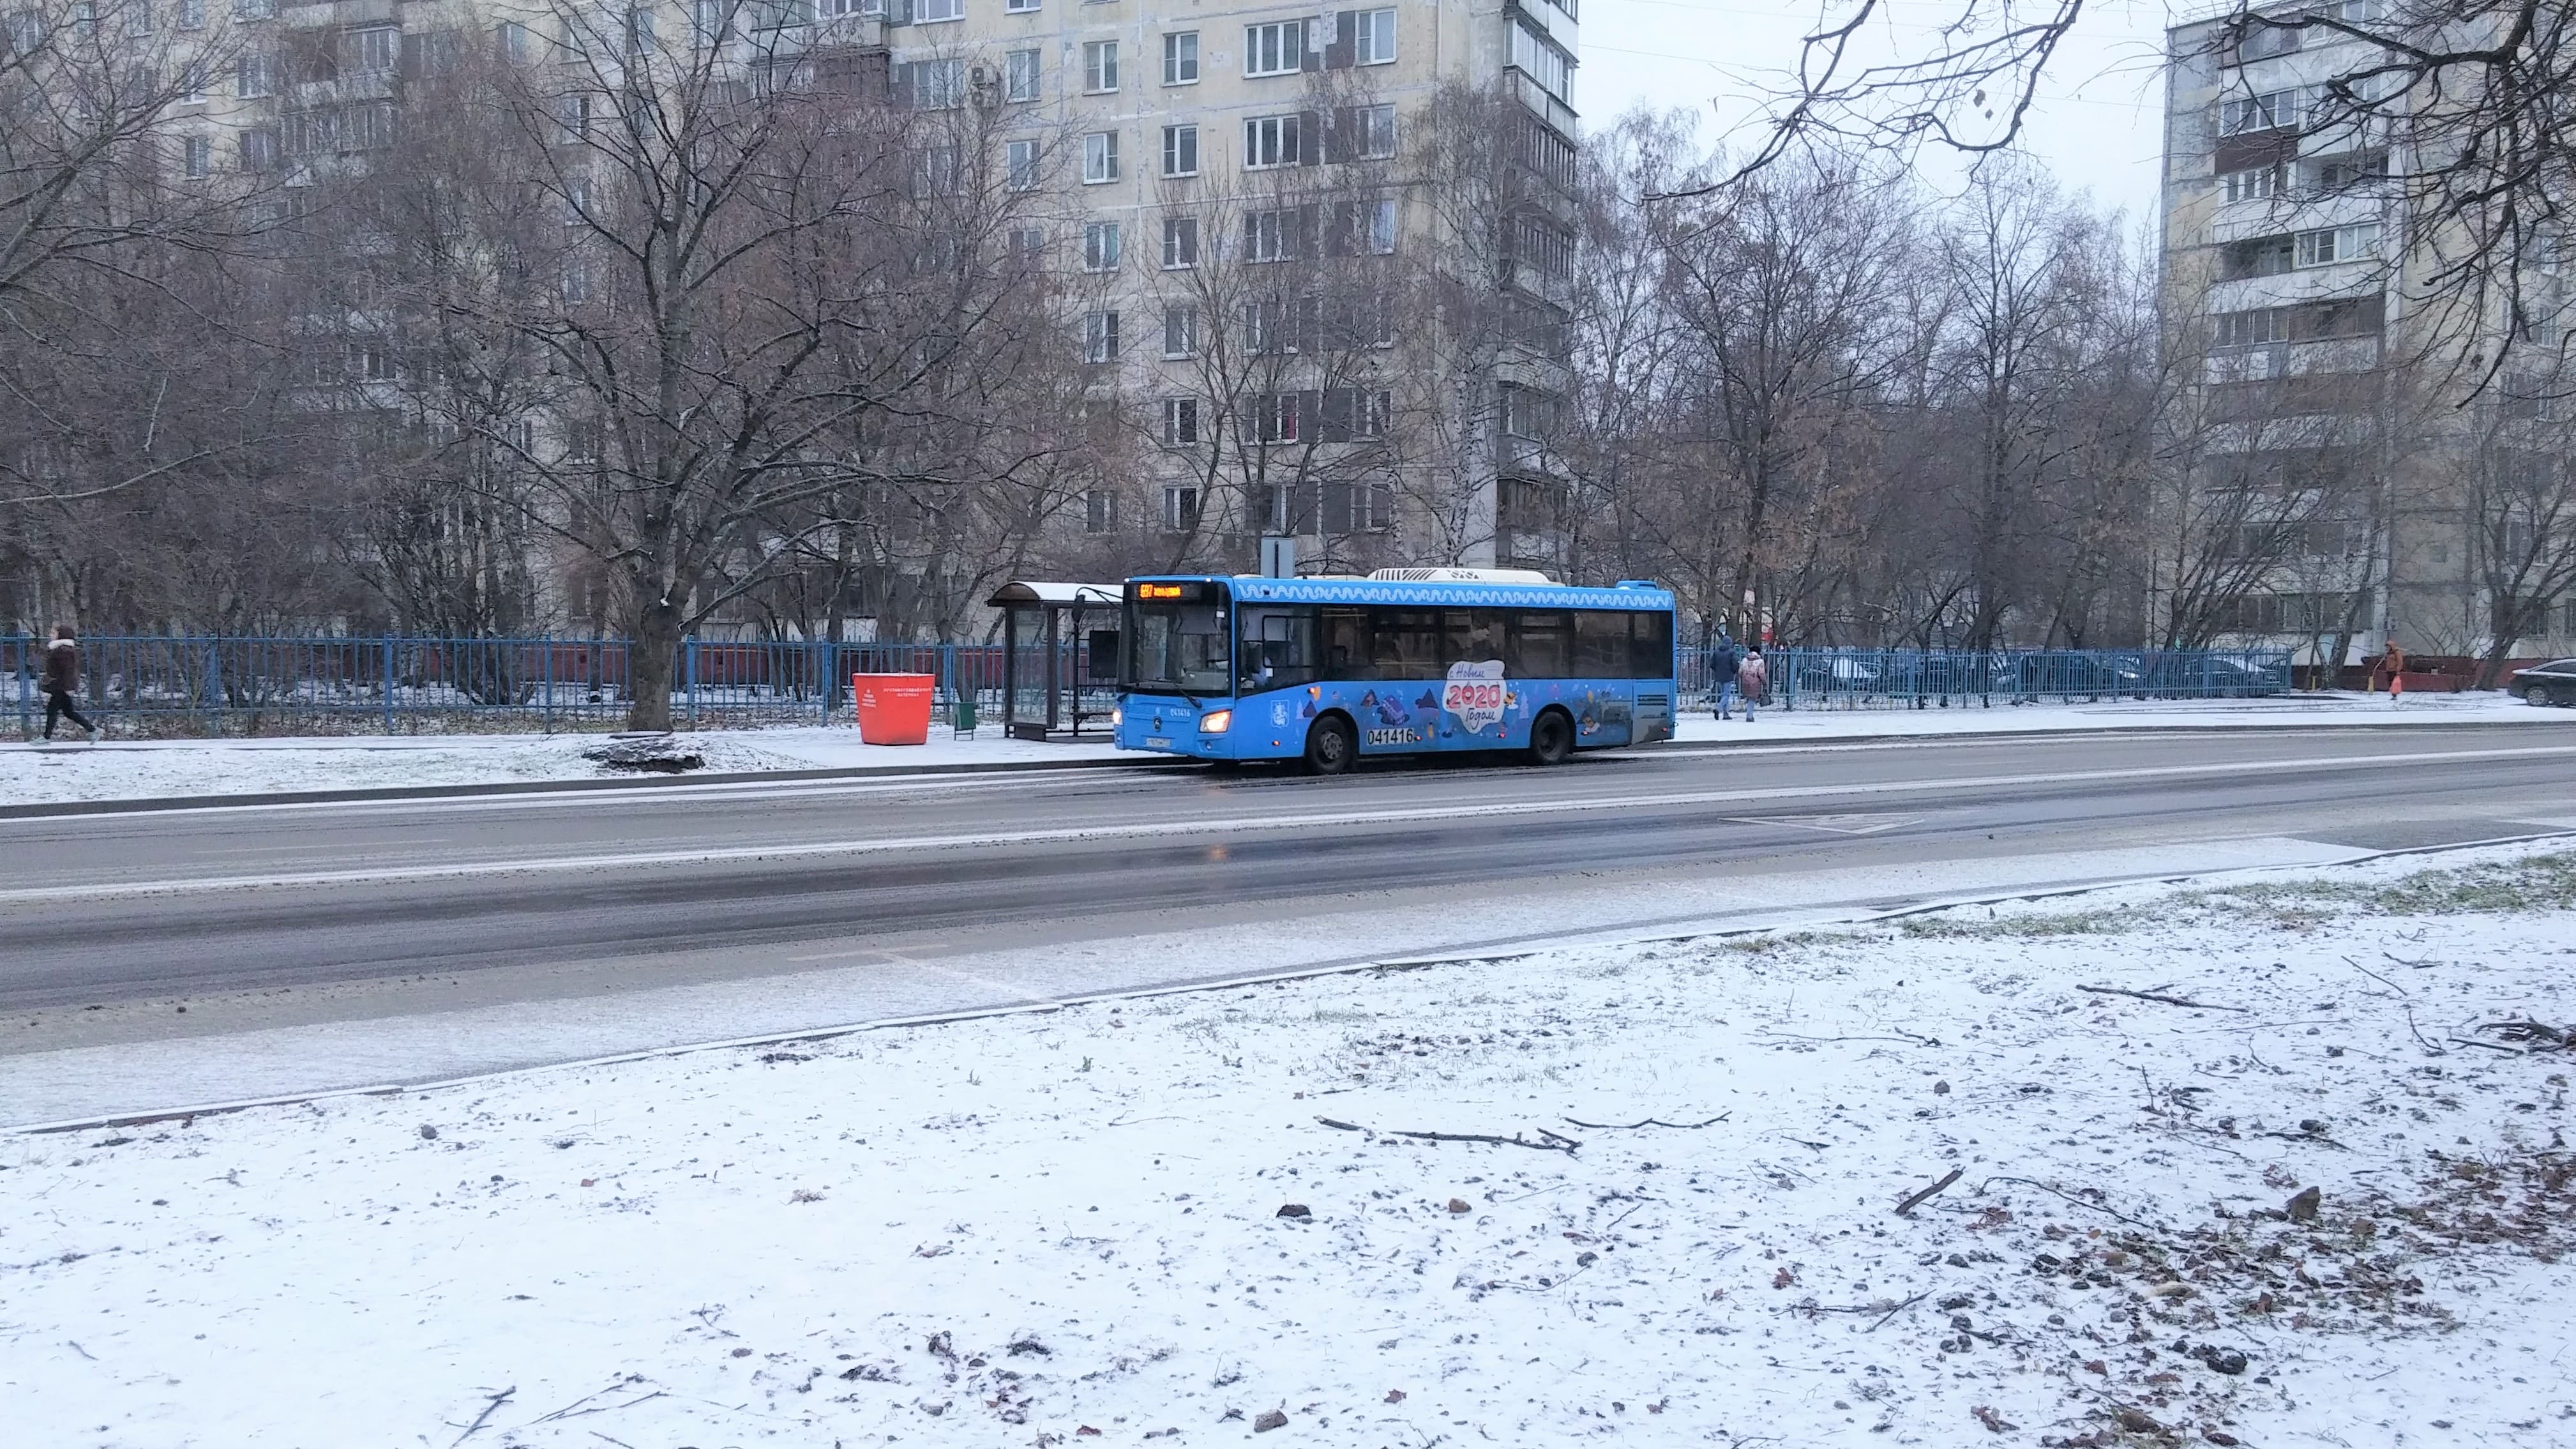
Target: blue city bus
{"x": 1405, "y": 662}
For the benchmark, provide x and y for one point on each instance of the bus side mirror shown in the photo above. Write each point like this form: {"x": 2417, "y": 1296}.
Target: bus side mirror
{"x": 1102, "y": 648}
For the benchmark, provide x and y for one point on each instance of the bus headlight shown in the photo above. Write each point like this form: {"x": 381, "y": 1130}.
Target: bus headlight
{"x": 1216, "y": 722}
{"x": 1117, "y": 715}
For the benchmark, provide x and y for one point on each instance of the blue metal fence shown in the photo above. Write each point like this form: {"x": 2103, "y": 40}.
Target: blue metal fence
{"x": 234, "y": 685}
{"x": 1937, "y": 678}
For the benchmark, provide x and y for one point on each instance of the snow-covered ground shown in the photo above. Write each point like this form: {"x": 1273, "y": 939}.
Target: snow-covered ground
{"x": 161, "y": 769}
{"x": 1663, "y": 1209}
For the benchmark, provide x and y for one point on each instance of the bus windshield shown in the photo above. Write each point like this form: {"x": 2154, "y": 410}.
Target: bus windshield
{"x": 1178, "y": 648}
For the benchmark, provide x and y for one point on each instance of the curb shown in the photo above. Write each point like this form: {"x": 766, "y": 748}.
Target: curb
{"x": 1231, "y": 983}
{"x": 555, "y": 787}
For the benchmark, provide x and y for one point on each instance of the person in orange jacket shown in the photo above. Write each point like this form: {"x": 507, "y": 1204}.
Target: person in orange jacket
{"x": 2392, "y": 663}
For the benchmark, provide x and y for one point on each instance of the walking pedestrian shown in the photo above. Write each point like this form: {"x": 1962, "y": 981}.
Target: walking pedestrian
{"x": 1724, "y": 659}
{"x": 2392, "y": 663}
{"x": 1754, "y": 678}
{"x": 62, "y": 681}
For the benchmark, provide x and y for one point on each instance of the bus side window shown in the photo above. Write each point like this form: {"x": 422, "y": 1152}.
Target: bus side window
{"x": 1346, "y": 645}
{"x": 1601, "y": 649}
{"x": 1653, "y": 641}
{"x": 1541, "y": 646}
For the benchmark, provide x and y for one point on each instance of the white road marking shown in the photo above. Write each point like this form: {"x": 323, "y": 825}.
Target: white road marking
{"x": 1833, "y": 824}
{"x": 1164, "y": 829}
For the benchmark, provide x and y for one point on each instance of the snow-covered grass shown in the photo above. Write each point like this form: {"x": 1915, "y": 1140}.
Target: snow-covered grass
{"x": 162, "y": 769}
{"x": 1165, "y": 1219}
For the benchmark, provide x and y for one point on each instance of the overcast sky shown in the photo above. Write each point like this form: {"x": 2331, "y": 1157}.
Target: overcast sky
{"x": 2098, "y": 123}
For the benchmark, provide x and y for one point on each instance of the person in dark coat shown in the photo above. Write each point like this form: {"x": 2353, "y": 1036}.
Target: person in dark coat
{"x": 62, "y": 681}
{"x": 1724, "y": 659}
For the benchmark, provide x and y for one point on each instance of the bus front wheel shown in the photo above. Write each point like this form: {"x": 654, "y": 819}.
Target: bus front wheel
{"x": 1551, "y": 738}
{"x": 1331, "y": 747}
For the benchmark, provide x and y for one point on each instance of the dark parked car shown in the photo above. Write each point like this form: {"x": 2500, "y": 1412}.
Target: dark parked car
{"x": 2550, "y": 683}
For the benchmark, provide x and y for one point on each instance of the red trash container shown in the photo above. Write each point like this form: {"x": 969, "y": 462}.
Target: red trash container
{"x": 894, "y": 709}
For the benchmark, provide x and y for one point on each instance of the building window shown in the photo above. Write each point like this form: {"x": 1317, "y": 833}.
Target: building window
{"x": 639, "y": 32}
{"x": 2252, "y": 185}
{"x": 1100, "y": 246}
{"x": 1541, "y": 62}
{"x": 2344, "y": 173}
{"x": 1100, "y": 336}
{"x": 1099, "y": 67}
{"x": 932, "y": 85}
{"x": 2328, "y": 245}
{"x": 1373, "y": 37}
{"x": 1181, "y": 58}
{"x": 1180, "y": 242}
{"x": 709, "y": 20}
{"x": 512, "y": 37}
{"x": 1528, "y": 413}
{"x": 1099, "y": 505}
{"x": 1357, "y": 507}
{"x": 1363, "y": 228}
{"x": 1270, "y": 323}
{"x": 932, "y": 12}
{"x": 1180, "y": 150}
{"x": 1180, "y": 421}
{"x": 1355, "y": 414}
{"x": 1180, "y": 509}
{"x": 1270, "y": 236}
{"x": 258, "y": 150}
{"x": 1099, "y": 158}
{"x": 1019, "y": 7}
{"x": 192, "y": 14}
{"x": 2271, "y": 111}
{"x": 1278, "y": 48}
{"x": 1020, "y": 75}
{"x": 1274, "y": 417}
{"x": 254, "y": 75}
{"x": 1272, "y": 141}
{"x": 1369, "y": 133}
{"x": 192, "y": 81}
{"x": 1021, "y": 160}
{"x": 1180, "y": 330}
{"x": 1028, "y": 243}
{"x": 199, "y": 157}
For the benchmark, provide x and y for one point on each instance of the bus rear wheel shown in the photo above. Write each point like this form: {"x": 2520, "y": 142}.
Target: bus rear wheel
{"x": 1551, "y": 738}
{"x": 1331, "y": 747}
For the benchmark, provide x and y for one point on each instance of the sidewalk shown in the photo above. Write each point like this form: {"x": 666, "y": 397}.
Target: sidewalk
{"x": 167, "y": 769}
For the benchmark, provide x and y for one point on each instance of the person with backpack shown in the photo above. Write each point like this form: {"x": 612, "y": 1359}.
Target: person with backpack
{"x": 62, "y": 681}
{"x": 1753, "y": 677}
{"x": 1724, "y": 659}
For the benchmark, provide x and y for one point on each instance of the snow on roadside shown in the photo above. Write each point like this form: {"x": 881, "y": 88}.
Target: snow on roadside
{"x": 163, "y": 769}
{"x": 1025, "y": 1229}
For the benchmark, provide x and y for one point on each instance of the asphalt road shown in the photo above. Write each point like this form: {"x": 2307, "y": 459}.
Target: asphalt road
{"x": 932, "y": 893}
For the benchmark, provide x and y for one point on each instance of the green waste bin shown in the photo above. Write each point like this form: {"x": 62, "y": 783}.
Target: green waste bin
{"x": 963, "y": 721}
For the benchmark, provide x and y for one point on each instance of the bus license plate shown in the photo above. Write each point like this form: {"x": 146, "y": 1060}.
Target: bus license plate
{"x": 1158, "y": 742}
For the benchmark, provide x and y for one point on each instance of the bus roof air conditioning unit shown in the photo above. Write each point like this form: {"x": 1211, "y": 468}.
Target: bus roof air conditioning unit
{"x": 1461, "y": 576}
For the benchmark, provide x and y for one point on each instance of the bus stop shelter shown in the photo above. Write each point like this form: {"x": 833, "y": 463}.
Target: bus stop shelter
{"x": 1059, "y": 658}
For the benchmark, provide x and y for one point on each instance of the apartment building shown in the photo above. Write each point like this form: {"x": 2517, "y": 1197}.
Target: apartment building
{"x": 1266, "y": 246}
{"x": 2335, "y": 465}
{"x": 1316, "y": 308}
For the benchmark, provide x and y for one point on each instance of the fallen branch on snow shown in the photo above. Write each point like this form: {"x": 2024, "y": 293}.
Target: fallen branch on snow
{"x": 491, "y": 1405}
{"x": 1649, "y": 1122}
{"x": 2079, "y": 1202}
{"x": 2160, "y": 998}
{"x": 1554, "y": 1142}
{"x": 1911, "y": 1203}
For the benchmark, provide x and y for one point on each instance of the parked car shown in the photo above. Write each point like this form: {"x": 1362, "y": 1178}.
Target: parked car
{"x": 1837, "y": 674}
{"x": 2546, "y": 684}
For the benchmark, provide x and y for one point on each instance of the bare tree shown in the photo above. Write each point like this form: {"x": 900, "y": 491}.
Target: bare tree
{"x": 754, "y": 282}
